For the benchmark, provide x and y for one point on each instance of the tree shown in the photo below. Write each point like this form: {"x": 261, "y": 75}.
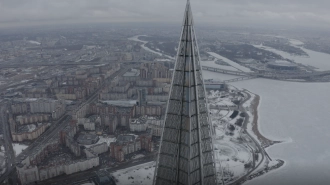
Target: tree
{"x": 239, "y": 122}
{"x": 231, "y": 127}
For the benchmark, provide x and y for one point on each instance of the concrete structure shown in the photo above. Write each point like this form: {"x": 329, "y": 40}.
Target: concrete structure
{"x": 87, "y": 139}
{"x": 99, "y": 148}
{"x": 86, "y": 123}
{"x": 54, "y": 107}
{"x": 32, "y": 168}
{"x": 19, "y": 108}
{"x": 153, "y": 70}
{"x": 21, "y": 136}
{"x": 127, "y": 144}
{"x": 142, "y": 97}
{"x": 110, "y": 121}
{"x": 138, "y": 124}
{"x": 150, "y": 110}
{"x": 45, "y": 105}
{"x": 81, "y": 111}
{"x": 32, "y": 118}
{"x": 156, "y": 127}
{"x": 282, "y": 65}
{"x": 186, "y": 151}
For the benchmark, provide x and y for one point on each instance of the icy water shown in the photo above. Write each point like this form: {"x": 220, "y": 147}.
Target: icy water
{"x": 298, "y": 114}
{"x": 316, "y": 59}
{"x": 136, "y": 38}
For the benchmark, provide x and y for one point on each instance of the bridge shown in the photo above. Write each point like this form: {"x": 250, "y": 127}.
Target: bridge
{"x": 219, "y": 83}
{"x": 224, "y": 71}
{"x": 240, "y": 79}
{"x": 272, "y": 75}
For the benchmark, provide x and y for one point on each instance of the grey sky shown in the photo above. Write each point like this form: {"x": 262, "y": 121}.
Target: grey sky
{"x": 280, "y": 12}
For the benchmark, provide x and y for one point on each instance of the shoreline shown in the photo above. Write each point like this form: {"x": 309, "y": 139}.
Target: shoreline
{"x": 264, "y": 141}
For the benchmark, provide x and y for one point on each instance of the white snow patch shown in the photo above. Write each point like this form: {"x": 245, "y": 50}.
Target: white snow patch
{"x": 316, "y": 59}
{"x": 103, "y": 139}
{"x": 31, "y": 127}
{"x": 34, "y": 42}
{"x": 230, "y": 62}
{"x": 142, "y": 174}
{"x": 18, "y": 148}
{"x": 213, "y": 64}
{"x": 297, "y": 113}
{"x": 138, "y": 156}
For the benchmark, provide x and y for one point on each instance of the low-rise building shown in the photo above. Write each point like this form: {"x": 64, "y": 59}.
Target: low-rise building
{"x": 32, "y": 118}
{"x": 156, "y": 126}
{"x": 127, "y": 144}
{"x": 29, "y": 135}
{"x": 138, "y": 124}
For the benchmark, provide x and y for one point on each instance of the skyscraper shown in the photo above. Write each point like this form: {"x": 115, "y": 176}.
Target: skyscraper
{"x": 186, "y": 151}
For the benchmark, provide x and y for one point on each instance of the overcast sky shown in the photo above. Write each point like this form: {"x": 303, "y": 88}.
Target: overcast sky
{"x": 218, "y": 12}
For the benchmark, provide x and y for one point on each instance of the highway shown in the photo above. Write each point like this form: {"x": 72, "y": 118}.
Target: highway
{"x": 260, "y": 148}
{"x": 280, "y": 75}
{"x": 9, "y": 154}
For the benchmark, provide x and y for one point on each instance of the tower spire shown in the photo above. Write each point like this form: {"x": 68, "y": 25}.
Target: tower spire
{"x": 186, "y": 150}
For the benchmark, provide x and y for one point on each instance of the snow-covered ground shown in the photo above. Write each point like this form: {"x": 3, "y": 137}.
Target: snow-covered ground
{"x": 121, "y": 102}
{"x": 232, "y": 63}
{"x": 136, "y": 38}
{"x": 31, "y": 127}
{"x": 213, "y": 64}
{"x": 18, "y": 148}
{"x": 102, "y": 139}
{"x": 138, "y": 156}
{"x": 34, "y": 42}
{"x": 138, "y": 175}
{"x": 315, "y": 59}
{"x": 231, "y": 155}
{"x": 296, "y": 113}
{"x": 296, "y": 42}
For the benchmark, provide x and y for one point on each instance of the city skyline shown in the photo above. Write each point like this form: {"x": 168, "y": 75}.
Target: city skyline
{"x": 252, "y": 12}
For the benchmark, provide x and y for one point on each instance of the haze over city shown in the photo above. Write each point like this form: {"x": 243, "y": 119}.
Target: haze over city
{"x": 225, "y": 12}
{"x": 117, "y": 92}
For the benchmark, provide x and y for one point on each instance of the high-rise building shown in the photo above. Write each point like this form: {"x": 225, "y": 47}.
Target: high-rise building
{"x": 142, "y": 94}
{"x": 186, "y": 151}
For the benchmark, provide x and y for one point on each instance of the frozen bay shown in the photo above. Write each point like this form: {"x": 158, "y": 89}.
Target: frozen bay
{"x": 297, "y": 114}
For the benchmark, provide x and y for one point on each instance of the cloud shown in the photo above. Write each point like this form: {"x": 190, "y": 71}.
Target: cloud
{"x": 285, "y": 12}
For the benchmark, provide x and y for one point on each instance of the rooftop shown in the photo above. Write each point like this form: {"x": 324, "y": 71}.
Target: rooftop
{"x": 132, "y": 73}
{"x": 125, "y": 138}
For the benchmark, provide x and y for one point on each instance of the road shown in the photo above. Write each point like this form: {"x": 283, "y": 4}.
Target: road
{"x": 262, "y": 151}
{"x": 280, "y": 75}
{"x": 9, "y": 154}
{"x": 56, "y": 126}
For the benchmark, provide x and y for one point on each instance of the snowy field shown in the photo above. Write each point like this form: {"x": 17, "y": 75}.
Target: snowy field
{"x": 296, "y": 113}
{"x": 138, "y": 175}
{"x": 102, "y": 139}
{"x": 18, "y": 148}
{"x": 213, "y": 64}
{"x": 315, "y": 59}
{"x": 136, "y": 38}
{"x": 234, "y": 64}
